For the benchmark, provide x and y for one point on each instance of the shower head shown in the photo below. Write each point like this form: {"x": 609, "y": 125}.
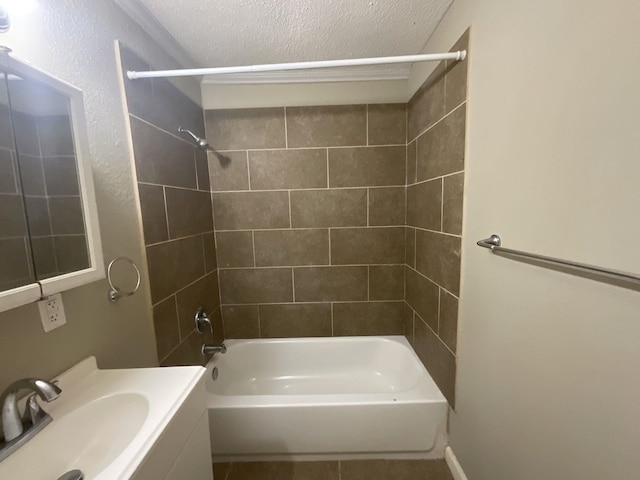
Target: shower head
{"x": 200, "y": 142}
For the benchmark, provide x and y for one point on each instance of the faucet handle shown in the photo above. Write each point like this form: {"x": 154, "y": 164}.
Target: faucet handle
{"x": 202, "y": 320}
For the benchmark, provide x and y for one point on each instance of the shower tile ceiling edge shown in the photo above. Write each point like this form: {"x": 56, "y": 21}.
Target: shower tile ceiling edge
{"x": 249, "y": 32}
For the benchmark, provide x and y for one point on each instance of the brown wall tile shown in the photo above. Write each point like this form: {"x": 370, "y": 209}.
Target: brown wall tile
{"x": 453, "y": 197}
{"x": 249, "y": 128}
{"x": 209, "y": 247}
{"x": 44, "y": 255}
{"x": 154, "y": 215}
{"x": 292, "y": 247}
{"x": 288, "y": 169}
{"x": 386, "y": 282}
{"x": 31, "y": 175}
{"x": 387, "y": 124}
{"x": 8, "y": 173}
{"x": 326, "y": 284}
{"x": 267, "y": 285}
{"x": 438, "y": 257}
{"x": 307, "y": 320}
{"x": 203, "y": 293}
{"x": 61, "y": 176}
{"x": 202, "y": 170}
{"x": 387, "y": 206}
{"x": 186, "y": 353}
{"x": 327, "y": 126}
{"x": 228, "y": 171}
{"x": 375, "y": 318}
{"x": 358, "y": 246}
{"x": 162, "y": 158}
{"x": 16, "y": 263}
{"x": 424, "y": 205}
{"x": 408, "y": 322}
{"x": 412, "y": 164}
{"x": 422, "y": 296}
{"x": 441, "y": 149}
{"x": 173, "y": 108}
{"x": 165, "y": 322}
{"x": 174, "y": 265}
{"x": 188, "y": 212}
{"x": 55, "y": 135}
{"x": 438, "y": 360}
{"x": 71, "y": 253}
{"x": 13, "y": 222}
{"x": 38, "y": 215}
{"x": 241, "y": 321}
{"x": 66, "y": 215}
{"x": 448, "y": 323}
{"x": 456, "y": 75}
{"x": 329, "y": 208}
{"x": 235, "y": 249}
{"x": 410, "y": 247}
{"x": 426, "y": 106}
{"x": 251, "y": 210}
{"x": 367, "y": 166}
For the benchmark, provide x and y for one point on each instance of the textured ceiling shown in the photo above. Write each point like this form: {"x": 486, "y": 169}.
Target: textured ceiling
{"x": 247, "y": 32}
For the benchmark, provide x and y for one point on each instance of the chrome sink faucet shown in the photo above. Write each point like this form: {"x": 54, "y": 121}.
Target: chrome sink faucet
{"x": 34, "y": 418}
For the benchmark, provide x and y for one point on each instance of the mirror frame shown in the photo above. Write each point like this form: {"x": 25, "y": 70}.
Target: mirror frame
{"x": 43, "y": 288}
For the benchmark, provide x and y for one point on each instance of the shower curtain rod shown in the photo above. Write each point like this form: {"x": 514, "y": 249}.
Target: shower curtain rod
{"x": 356, "y": 62}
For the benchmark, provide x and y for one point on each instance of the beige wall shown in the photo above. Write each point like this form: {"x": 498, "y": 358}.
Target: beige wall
{"x": 548, "y": 363}
{"x": 75, "y": 42}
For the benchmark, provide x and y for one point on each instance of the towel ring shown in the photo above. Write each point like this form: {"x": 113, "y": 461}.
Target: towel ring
{"x": 115, "y": 293}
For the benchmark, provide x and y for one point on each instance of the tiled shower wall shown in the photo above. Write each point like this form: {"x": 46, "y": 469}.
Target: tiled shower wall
{"x": 177, "y": 217}
{"x": 435, "y": 189}
{"x": 309, "y": 205}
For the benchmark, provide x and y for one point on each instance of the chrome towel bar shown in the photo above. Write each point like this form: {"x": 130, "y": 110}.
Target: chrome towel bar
{"x": 494, "y": 243}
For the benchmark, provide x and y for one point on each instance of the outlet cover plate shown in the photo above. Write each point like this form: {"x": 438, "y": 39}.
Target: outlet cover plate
{"x": 52, "y": 312}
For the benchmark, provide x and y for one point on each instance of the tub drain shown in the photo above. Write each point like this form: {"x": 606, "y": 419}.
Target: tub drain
{"x": 72, "y": 475}
{"x": 214, "y": 373}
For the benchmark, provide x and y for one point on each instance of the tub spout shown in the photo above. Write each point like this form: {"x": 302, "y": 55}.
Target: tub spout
{"x": 213, "y": 349}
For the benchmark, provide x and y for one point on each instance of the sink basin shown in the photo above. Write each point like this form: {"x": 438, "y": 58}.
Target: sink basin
{"x": 104, "y": 422}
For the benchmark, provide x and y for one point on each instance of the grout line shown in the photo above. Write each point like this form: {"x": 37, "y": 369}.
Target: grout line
{"x": 367, "y": 122}
{"x": 290, "y": 222}
{"x": 317, "y": 147}
{"x": 339, "y": 470}
{"x": 314, "y": 189}
{"x": 436, "y": 231}
{"x": 368, "y": 221}
{"x": 175, "y": 303}
{"x": 368, "y": 282}
{"x": 166, "y": 212}
{"x": 439, "y": 303}
{"x": 332, "y": 333}
{"x": 317, "y": 302}
{"x": 315, "y": 266}
{"x": 293, "y": 284}
{"x": 229, "y": 471}
{"x": 442, "y": 204}
{"x": 434, "y": 283}
{"x": 328, "y": 185}
{"x": 439, "y": 121}
{"x": 330, "y": 260}
{"x": 179, "y": 238}
{"x": 184, "y": 288}
{"x": 437, "y": 336}
{"x": 195, "y": 169}
{"x": 253, "y": 244}
{"x": 162, "y": 185}
{"x": 286, "y": 132}
{"x": 248, "y": 172}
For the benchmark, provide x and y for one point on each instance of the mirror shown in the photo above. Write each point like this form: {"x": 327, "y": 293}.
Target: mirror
{"x": 48, "y": 221}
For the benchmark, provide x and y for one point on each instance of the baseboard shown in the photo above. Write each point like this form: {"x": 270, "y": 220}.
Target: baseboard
{"x": 454, "y": 466}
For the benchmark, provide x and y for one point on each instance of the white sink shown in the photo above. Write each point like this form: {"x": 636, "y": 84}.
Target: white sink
{"x": 105, "y": 422}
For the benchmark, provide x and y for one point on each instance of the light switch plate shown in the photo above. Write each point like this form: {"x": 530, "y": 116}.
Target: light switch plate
{"x": 52, "y": 312}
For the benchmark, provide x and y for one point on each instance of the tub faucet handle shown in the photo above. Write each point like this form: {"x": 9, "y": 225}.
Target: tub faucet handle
{"x": 202, "y": 322}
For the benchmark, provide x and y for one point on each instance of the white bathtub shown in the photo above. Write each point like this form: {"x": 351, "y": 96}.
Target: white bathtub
{"x": 324, "y": 398}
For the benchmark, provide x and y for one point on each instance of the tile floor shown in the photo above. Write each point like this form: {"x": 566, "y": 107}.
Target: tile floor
{"x": 345, "y": 470}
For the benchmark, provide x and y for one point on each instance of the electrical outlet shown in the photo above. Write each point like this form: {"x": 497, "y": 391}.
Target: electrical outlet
{"x": 52, "y": 312}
